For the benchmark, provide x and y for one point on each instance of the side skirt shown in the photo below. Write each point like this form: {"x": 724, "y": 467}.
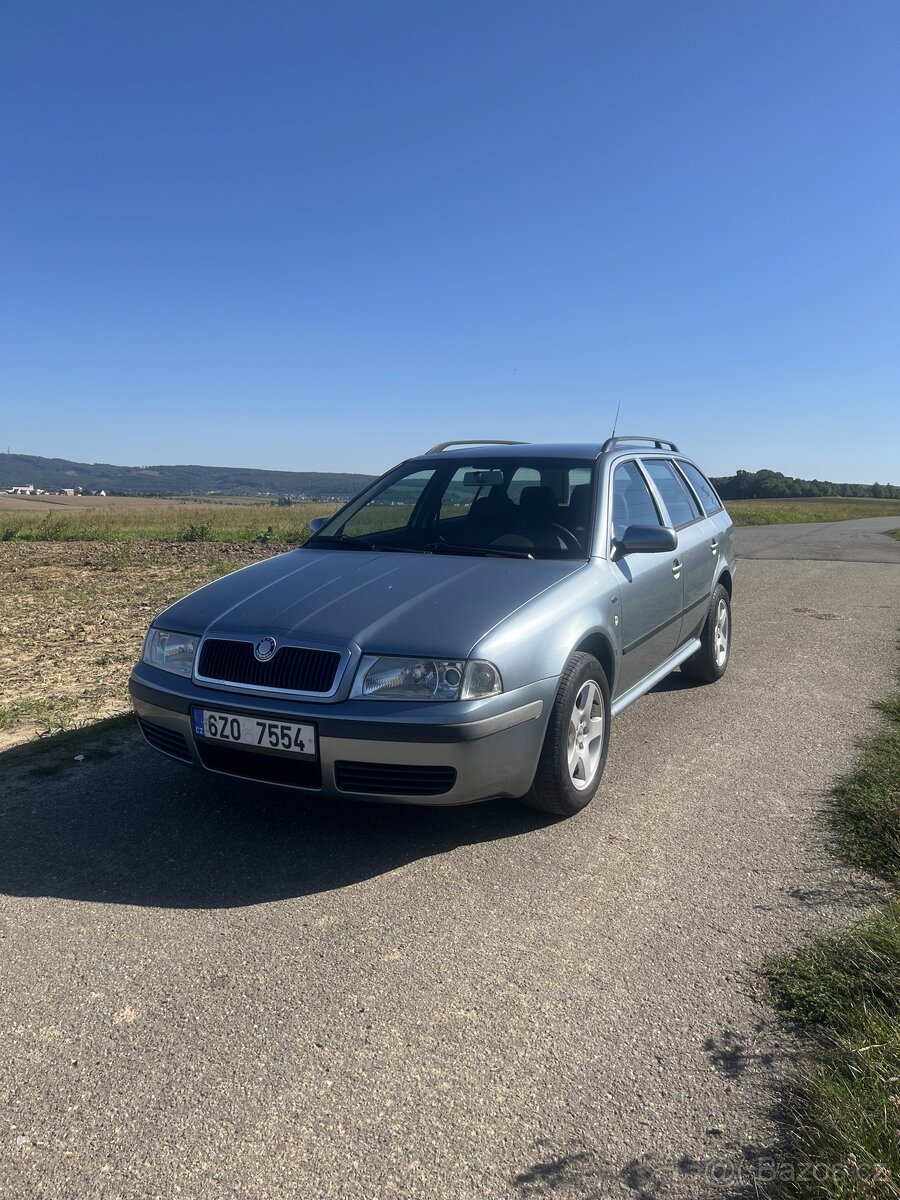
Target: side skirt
{"x": 651, "y": 680}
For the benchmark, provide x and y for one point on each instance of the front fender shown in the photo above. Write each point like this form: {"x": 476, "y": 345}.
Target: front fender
{"x": 537, "y": 641}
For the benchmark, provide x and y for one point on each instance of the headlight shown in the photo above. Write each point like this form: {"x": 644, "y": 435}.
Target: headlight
{"x": 170, "y": 651}
{"x": 425, "y": 679}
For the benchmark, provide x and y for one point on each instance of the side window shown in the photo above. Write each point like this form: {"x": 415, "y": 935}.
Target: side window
{"x": 391, "y": 509}
{"x": 702, "y": 487}
{"x": 632, "y": 501}
{"x": 682, "y": 506}
{"x": 578, "y": 509}
{"x": 458, "y": 497}
{"x": 524, "y": 477}
{"x": 578, "y": 477}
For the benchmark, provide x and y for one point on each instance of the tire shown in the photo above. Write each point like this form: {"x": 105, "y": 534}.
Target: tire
{"x": 569, "y": 770}
{"x": 711, "y": 660}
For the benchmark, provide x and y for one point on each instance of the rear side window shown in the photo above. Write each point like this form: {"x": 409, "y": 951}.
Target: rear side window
{"x": 682, "y": 506}
{"x": 702, "y": 487}
{"x": 523, "y": 477}
{"x": 459, "y": 496}
{"x": 632, "y": 501}
{"x": 578, "y": 477}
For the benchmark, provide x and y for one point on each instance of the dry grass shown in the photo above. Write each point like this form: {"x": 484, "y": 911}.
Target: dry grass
{"x": 125, "y": 520}
{"x": 73, "y": 616}
{"x": 81, "y": 504}
{"x": 236, "y": 519}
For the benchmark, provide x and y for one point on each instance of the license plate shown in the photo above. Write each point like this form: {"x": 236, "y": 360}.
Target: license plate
{"x": 288, "y": 737}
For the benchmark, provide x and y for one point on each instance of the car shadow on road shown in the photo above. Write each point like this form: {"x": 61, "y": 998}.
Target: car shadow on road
{"x": 728, "y": 1170}
{"x": 127, "y": 826}
{"x": 676, "y": 681}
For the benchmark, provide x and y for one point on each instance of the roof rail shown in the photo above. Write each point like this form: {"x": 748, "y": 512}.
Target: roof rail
{"x": 658, "y": 443}
{"x": 478, "y": 442}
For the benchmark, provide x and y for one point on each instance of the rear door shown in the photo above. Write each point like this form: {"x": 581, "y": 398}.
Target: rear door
{"x": 650, "y": 585}
{"x": 694, "y": 531}
{"x": 717, "y": 531}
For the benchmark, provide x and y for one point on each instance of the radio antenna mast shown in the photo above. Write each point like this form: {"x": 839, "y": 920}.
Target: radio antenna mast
{"x": 616, "y": 421}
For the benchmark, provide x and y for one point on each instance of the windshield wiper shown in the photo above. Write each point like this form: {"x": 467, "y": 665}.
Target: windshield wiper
{"x": 340, "y": 542}
{"x": 343, "y": 542}
{"x": 476, "y": 551}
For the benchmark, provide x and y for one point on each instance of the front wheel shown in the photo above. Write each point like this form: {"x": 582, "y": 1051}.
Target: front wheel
{"x": 711, "y": 660}
{"x": 577, "y": 740}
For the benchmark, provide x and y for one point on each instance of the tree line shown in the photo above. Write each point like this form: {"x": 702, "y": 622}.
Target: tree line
{"x": 772, "y": 485}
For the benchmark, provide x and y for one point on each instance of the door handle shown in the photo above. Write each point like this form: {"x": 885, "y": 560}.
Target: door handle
{"x": 714, "y": 546}
{"x": 676, "y": 568}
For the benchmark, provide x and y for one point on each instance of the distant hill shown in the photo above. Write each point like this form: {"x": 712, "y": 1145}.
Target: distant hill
{"x": 54, "y": 473}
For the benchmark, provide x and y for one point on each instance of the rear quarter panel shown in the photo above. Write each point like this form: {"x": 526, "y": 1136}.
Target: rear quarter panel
{"x": 724, "y": 527}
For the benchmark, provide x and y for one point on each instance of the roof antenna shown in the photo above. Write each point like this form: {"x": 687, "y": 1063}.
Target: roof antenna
{"x": 616, "y": 421}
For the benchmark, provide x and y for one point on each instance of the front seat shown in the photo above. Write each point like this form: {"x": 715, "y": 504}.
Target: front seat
{"x": 495, "y": 508}
{"x": 579, "y": 512}
{"x": 538, "y": 506}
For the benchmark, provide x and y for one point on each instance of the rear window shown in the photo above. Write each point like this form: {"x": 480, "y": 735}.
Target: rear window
{"x": 702, "y": 487}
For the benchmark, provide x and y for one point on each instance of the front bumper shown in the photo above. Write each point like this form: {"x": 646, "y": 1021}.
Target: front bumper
{"x": 470, "y": 751}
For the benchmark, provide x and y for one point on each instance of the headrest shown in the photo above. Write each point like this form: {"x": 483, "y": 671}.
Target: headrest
{"x": 538, "y": 502}
{"x": 580, "y": 503}
{"x": 496, "y": 505}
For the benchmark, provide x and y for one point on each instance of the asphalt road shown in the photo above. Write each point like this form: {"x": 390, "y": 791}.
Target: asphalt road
{"x": 213, "y": 991}
{"x": 845, "y": 541}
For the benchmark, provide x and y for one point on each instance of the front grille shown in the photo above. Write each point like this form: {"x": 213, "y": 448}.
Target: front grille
{"x": 267, "y": 768}
{"x": 170, "y": 741}
{"x": 389, "y": 779}
{"x": 292, "y": 668}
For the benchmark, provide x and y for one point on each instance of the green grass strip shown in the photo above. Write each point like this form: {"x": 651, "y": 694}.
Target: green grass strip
{"x": 867, "y": 800}
{"x": 791, "y": 512}
{"x": 841, "y": 1135}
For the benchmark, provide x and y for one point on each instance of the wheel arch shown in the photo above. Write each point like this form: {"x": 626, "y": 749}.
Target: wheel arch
{"x": 725, "y": 580}
{"x": 599, "y": 645}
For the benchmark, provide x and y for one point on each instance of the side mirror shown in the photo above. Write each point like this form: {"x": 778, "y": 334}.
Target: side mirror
{"x": 317, "y": 522}
{"x": 647, "y": 539}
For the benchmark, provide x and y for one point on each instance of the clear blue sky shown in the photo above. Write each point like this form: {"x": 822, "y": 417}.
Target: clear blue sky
{"x": 324, "y": 234}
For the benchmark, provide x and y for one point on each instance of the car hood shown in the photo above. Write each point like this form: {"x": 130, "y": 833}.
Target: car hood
{"x": 429, "y": 604}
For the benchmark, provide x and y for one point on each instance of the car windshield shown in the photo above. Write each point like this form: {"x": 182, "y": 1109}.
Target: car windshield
{"x": 495, "y": 506}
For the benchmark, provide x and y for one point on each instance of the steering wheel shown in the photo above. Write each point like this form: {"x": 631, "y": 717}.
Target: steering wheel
{"x": 568, "y": 539}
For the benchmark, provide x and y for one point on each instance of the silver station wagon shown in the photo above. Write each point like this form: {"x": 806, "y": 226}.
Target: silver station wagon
{"x": 465, "y": 628}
